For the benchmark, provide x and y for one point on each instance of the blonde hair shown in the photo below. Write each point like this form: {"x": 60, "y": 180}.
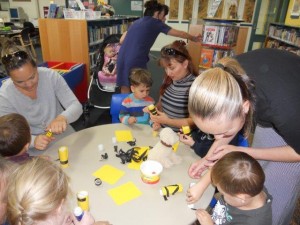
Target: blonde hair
{"x": 222, "y": 91}
{"x": 36, "y": 190}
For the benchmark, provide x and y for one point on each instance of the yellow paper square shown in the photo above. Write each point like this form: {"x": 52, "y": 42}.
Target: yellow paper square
{"x": 123, "y": 135}
{"x": 124, "y": 193}
{"x": 134, "y": 165}
{"x": 109, "y": 174}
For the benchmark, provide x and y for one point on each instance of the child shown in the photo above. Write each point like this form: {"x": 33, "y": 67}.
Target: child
{"x": 14, "y": 137}
{"x": 201, "y": 142}
{"x": 38, "y": 194}
{"x": 108, "y": 75}
{"x": 5, "y": 170}
{"x": 132, "y": 106}
{"x": 240, "y": 180}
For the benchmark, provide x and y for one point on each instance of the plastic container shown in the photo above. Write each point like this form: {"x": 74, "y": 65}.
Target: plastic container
{"x": 150, "y": 171}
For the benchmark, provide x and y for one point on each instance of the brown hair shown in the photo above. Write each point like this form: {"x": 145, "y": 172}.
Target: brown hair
{"x": 10, "y": 47}
{"x": 223, "y": 90}
{"x": 238, "y": 173}
{"x": 14, "y": 134}
{"x": 140, "y": 76}
{"x": 180, "y": 55}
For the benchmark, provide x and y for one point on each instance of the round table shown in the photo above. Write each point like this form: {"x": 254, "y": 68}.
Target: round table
{"x": 150, "y": 207}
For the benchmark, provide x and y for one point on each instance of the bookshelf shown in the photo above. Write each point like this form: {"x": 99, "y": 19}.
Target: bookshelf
{"x": 283, "y": 37}
{"x": 220, "y": 38}
{"x": 71, "y": 40}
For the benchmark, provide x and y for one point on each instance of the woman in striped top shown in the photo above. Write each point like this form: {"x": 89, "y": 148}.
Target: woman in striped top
{"x": 180, "y": 74}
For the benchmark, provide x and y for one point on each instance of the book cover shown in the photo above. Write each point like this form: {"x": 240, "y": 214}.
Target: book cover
{"x": 210, "y": 35}
{"x": 206, "y": 59}
{"x": 52, "y": 10}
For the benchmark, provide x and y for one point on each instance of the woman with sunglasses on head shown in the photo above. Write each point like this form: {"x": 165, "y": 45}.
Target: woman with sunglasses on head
{"x": 41, "y": 95}
{"x": 172, "y": 107}
{"x": 224, "y": 99}
{"x": 138, "y": 40}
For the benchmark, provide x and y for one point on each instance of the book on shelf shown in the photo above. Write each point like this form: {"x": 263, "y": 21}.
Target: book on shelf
{"x": 210, "y": 34}
{"x": 206, "y": 59}
{"x": 52, "y": 10}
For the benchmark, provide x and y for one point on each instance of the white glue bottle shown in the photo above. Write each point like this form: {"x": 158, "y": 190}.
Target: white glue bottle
{"x": 78, "y": 213}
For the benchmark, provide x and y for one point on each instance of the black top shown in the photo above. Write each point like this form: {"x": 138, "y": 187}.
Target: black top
{"x": 277, "y": 79}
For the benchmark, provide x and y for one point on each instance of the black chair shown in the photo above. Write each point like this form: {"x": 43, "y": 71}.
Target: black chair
{"x": 8, "y": 24}
{"x": 33, "y": 32}
{"x": 24, "y": 40}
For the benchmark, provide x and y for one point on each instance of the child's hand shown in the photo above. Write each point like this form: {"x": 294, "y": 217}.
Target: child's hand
{"x": 146, "y": 110}
{"x": 195, "y": 192}
{"x": 102, "y": 223}
{"x": 131, "y": 120}
{"x": 197, "y": 168}
{"x": 186, "y": 139}
{"x": 203, "y": 217}
{"x": 41, "y": 141}
{"x": 156, "y": 126}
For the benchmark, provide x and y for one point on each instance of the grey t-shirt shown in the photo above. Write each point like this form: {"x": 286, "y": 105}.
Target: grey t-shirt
{"x": 54, "y": 97}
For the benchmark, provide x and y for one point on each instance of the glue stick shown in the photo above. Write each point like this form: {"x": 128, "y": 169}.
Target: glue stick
{"x": 49, "y": 133}
{"x": 192, "y": 206}
{"x": 186, "y": 130}
{"x": 152, "y": 109}
{"x": 78, "y": 213}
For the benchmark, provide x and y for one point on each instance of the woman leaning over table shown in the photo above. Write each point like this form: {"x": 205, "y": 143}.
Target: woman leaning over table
{"x": 173, "y": 103}
{"x": 224, "y": 99}
{"x": 41, "y": 95}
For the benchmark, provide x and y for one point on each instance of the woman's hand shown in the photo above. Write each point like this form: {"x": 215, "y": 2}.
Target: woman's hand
{"x": 41, "y": 141}
{"x": 160, "y": 118}
{"x": 197, "y": 168}
{"x": 131, "y": 120}
{"x": 220, "y": 151}
{"x": 203, "y": 217}
{"x": 156, "y": 126}
{"x": 58, "y": 125}
{"x": 186, "y": 139}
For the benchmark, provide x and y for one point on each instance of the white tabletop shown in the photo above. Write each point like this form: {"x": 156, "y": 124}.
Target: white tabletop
{"x": 150, "y": 207}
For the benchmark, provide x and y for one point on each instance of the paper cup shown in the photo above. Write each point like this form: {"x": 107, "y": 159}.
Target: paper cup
{"x": 83, "y": 200}
{"x": 63, "y": 154}
{"x": 150, "y": 171}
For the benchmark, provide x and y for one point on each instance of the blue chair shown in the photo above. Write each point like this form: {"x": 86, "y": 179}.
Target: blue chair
{"x": 115, "y": 106}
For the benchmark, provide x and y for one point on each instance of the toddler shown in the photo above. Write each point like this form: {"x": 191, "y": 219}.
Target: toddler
{"x": 132, "y": 109}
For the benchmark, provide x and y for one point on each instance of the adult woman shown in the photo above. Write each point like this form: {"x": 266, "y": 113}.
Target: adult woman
{"x": 222, "y": 101}
{"x": 173, "y": 103}
{"x": 38, "y": 193}
{"x": 139, "y": 39}
{"x": 41, "y": 95}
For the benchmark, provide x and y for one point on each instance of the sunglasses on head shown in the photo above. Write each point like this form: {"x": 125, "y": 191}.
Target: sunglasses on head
{"x": 173, "y": 52}
{"x": 20, "y": 55}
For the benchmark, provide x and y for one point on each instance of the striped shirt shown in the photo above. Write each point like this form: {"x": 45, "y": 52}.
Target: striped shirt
{"x": 175, "y": 99}
{"x": 134, "y": 107}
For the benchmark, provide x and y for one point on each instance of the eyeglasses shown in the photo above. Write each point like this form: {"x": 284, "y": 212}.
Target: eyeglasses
{"x": 20, "y": 55}
{"x": 172, "y": 52}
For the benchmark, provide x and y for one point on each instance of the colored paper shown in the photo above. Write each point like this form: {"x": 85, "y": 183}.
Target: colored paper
{"x": 123, "y": 135}
{"x": 109, "y": 174}
{"x": 124, "y": 193}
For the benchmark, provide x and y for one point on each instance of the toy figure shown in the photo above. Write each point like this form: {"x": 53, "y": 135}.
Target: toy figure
{"x": 163, "y": 151}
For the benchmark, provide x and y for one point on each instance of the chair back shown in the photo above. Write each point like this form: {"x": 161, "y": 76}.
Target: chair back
{"x": 115, "y": 106}
{"x": 25, "y": 35}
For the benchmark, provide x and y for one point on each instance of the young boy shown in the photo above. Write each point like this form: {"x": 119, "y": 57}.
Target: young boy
{"x": 14, "y": 137}
{"x": 132, "y": 106}
{"x": 244, "y": 200}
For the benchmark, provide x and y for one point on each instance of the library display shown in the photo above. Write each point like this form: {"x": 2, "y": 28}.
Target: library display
{"x": 283, "y": 37}
{"x": 219, "y": 38}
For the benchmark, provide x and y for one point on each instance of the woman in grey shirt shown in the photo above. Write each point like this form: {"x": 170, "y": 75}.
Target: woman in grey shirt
{"x": 41, "y": 95}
